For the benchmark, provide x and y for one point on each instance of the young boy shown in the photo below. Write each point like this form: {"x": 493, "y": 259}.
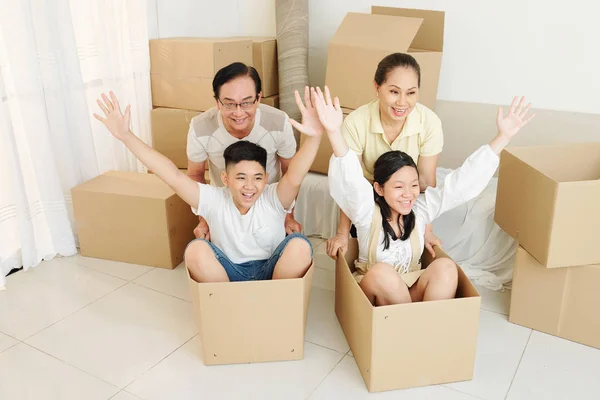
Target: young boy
{"x": 246, "y": 215}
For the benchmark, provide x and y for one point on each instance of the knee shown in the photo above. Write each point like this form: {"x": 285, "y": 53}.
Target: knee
{"x": 445, "y": 271}
{"x": 298, "y": 247}
{"x": 197, "y": 251}
{"x": 383, "y": 278}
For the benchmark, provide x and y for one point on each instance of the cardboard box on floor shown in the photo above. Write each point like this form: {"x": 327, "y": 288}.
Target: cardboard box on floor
{"x": 407, "y": 345}
{"x": 132, "y": 217}
{"x": 363, "y": 40}
{"x": 559, "y": 301}
{"x": 321, "y": 163}
{"x": 182, "y": 69}
{"x": 256, "y": 321}
{"x": 170, "y": 127}
{"x": 272, "y": 101}
{"x": 548, "y": 199}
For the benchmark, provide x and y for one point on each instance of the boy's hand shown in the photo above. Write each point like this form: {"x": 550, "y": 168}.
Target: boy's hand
{"x": 116, "y": 122}
{"x": 311, "y": 126}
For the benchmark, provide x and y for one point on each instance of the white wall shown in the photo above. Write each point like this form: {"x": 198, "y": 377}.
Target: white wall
{"x": 210, "y": 18}
{"x": 544, "y": 49}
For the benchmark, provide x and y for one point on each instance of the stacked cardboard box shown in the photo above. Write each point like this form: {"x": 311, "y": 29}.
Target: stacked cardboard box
{"x": 264, "y": 59}
{"x": 548, "y": 200}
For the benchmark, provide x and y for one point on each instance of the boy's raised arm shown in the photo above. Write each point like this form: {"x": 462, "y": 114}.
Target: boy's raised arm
{"x": 118, "y": 125}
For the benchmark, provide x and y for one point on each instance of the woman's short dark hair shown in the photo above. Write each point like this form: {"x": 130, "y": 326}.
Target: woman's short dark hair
{"x": 387, "y": 165}
{"x": 245, "y": 151}
{"x": 393, "y": 61}
{"x": 233, "y": 71}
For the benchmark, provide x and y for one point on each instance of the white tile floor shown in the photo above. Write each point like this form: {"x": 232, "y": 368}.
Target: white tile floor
{"x": 79, "y": 328}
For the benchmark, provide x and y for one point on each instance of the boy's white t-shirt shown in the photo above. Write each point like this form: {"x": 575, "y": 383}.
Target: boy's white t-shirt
{"x": 242, "y": 238}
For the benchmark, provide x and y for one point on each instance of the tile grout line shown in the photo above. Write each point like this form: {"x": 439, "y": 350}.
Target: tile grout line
{"x": 73, "y": 366}
{"x": 460, "y": 391}
{"x": 158, "y": 291}
{"x": 325, "y": 377}
{"x": 325, "y": 347}
{"x": 73, "y": 262}
{"x": 76, "y": 311}
{"x": 518, "y": 365}
{"x": 161, "y": 360}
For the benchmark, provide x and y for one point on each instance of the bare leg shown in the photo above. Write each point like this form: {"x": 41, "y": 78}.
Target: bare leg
{"x": 383, "y": 286}
{"x": 294, "y": 261}
{"x": 202, "y": 263}
{"x": 438, "y": 282}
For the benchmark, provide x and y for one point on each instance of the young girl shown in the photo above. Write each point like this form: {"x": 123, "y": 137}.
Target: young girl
{"x": 395, "y": 120}
{"x": 391, "y": 216}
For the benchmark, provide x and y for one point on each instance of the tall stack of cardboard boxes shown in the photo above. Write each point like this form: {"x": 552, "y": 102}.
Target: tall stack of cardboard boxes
{"x": 549, "y": 200}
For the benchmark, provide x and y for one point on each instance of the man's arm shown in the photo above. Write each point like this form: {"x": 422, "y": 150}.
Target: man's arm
{"x": 197, "y": 171}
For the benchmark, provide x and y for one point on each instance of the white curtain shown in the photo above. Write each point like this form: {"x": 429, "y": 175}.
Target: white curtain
{"x": 56, "y": 57}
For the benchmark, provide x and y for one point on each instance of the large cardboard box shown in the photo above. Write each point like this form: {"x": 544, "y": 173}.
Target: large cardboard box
{"x": 363, "y": 40}
{"x": 561, "y": 301}
{"x": 407, "y": 345}
{"x": 321, "y": 163}
{"x": 548, "y": 199}
{"x": 256, "y": 321}
{"x": 272, "y": 101}
{"x": 264, "y": 55}
{"x": 134, "y": 218}
{"x": 170, "y": 128}
{"x": 182, "y": 69}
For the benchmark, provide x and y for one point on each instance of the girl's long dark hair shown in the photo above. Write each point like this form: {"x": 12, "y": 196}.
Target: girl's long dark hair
{"x": 386, "y": 166}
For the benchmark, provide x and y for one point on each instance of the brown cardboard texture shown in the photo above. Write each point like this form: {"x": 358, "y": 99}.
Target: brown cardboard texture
{"x": 548, "y": 199}
{"x": 363, "y": 40}
{"x": 134, "y": 218}
{"x": 407, "y": 345}
{"x": 321, "y": 163}
{"x": 272, "y": 101}
{"x": 255, "y": 321}
{"x": 182, "y": 69}
{"x": 264, "y": 56}
{"x": 561, "y": 301}
{"x": 170, "y": 128}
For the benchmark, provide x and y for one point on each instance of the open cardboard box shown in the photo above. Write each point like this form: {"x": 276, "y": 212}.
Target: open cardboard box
{"x": 549, "y": 200}
{"x": 363, "y": 40}
{"x": 408, "y": 345}
{"x": 254, "y": 321}
{"x": 562, "y": 301}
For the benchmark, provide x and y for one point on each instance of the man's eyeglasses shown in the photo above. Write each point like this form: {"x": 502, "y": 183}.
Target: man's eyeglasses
{"x": 244, "y": 105}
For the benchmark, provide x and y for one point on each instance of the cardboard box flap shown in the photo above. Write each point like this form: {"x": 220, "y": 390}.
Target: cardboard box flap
{"x": 563, "y": 163}
{"x": 431, "y": 34}
{"x": 128, "y": 184}
{"x": 377, "y": 32}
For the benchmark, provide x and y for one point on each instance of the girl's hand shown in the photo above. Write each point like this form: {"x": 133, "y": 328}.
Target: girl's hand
{"x": 517, "y": 118}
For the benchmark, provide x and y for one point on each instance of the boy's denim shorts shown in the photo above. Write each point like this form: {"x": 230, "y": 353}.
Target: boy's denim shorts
{"x": 256, "y": 270}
